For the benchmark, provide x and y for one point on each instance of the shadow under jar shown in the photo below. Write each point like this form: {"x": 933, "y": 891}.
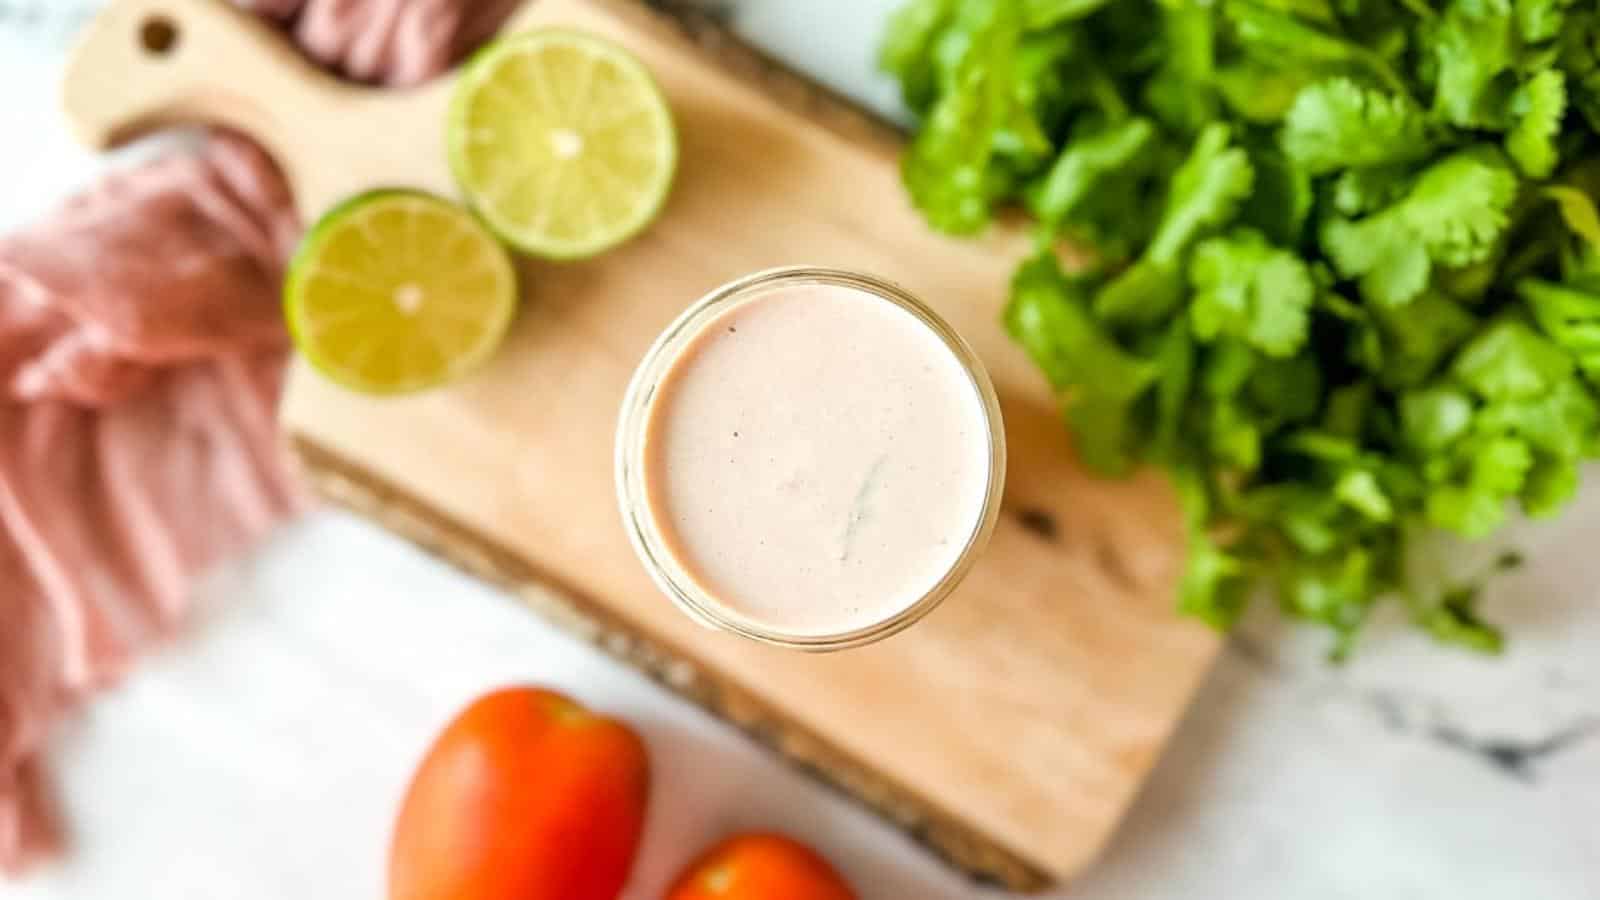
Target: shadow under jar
{"x": 809, "y": 458}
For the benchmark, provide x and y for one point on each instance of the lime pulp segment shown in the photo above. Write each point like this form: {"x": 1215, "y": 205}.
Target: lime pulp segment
{"x": 562, "y": 142}
{"x": 396, "y": 291}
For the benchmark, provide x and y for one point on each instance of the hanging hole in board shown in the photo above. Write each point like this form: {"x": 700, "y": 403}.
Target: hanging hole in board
{"x": 158, "y": 35}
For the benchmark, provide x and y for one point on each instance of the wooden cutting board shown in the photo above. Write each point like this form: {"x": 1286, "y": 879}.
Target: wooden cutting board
{"x": 1010, "y": 729}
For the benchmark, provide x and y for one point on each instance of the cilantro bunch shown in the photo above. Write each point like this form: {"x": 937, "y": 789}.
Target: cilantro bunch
{"x": 1345, "y": 271}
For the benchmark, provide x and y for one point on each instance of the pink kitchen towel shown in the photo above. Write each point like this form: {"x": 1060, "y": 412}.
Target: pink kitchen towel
{"x": 141, "y": 351}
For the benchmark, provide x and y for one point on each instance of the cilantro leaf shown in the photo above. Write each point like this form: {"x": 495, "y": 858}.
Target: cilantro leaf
{"x": 1578, "y": 55}
{"x": 1459, "y": 206}
{"x": 1048, "y": 314}
{"x": 1537, "y": 108}
{"x": 1508, "y": 361}
{"x": 1145, "y": 293}
{"x": 907, "y": 50}
{"x": 1475, "y": 43}
{"x": 1257, "y": 92}
{"x": 1180, "y": 94}
{"x": 1455, "y": 620}
{"x": 1579, "y": 214}
{"x": 1550, "y": 485}
{"x": 1560, "y": 423}
{"x": 1436, "y": 417}
{"x": 1357, "y": 192}
{"x": 1273, "y": 35}
{"x": 1089, "y": 163}
{"x": 1206, "y": 192}
{"x": 1336, "y": 590}
{"x": 1540, "y": 20}
{"x": 1175, "y": 359}
{"x": 1337, "y": 124}
{"x": 1041, "y": 14}
{"x": 1215, "y": 583}
{"x": 1359, "y": 490}
{"x": 1233, "y": 432}
{"x": 948, "y": 167}
{"x": 1569, "y": 317}
{"x": 1392, "y": 265}
{"x": 1325, "y": 289}
{"x": 1418, "y": 337}
{"x": 1488, "y": 474}
{"x": 1451, "y": 216}
{"x": 1248, "y": 289}
{"x": 1281, "y": 196}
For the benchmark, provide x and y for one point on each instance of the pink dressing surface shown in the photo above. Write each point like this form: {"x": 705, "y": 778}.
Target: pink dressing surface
{"x": 817, "y": 459}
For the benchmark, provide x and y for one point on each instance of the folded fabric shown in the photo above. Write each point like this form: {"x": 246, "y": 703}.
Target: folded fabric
{"x": 395, "y": 42}
{"x": 141, "y": 351}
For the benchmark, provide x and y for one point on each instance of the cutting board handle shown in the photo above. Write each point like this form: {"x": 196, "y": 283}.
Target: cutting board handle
{"x": 143, "y": 64}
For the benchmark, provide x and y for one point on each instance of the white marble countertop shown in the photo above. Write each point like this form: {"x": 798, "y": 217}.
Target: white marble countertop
{"x": 262, "y": 755}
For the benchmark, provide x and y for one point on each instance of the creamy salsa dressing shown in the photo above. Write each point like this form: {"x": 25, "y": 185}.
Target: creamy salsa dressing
{"x": 817, "y": 459}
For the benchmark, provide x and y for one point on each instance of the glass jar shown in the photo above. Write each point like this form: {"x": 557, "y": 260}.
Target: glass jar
{"x": 633, "y": 431}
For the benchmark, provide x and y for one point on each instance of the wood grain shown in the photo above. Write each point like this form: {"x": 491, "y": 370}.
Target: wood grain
{"x": 1013, "y": 726}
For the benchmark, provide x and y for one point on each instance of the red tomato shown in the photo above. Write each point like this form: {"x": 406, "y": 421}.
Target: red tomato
{"x": 524, "y": 796}
{"x": 760, "y": 867}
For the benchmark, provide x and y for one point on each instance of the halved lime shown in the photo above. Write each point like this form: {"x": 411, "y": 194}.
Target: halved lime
{"x": 561, "y": 141}
{"x": 396, "y": 291}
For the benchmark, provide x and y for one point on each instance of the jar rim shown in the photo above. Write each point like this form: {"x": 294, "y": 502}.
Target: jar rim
{"x": 670, "y": 576}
